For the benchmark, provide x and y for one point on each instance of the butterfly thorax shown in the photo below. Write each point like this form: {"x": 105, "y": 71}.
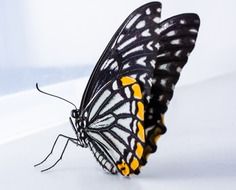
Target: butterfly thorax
{"x": 80, "y": 127}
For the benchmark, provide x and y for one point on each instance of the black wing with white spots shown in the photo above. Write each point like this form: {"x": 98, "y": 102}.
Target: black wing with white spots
{"x": 177, "y": 36}
{"x": 131, "y": 51}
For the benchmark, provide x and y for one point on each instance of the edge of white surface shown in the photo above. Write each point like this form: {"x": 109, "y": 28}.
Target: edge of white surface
{"x": 29, "y": 112}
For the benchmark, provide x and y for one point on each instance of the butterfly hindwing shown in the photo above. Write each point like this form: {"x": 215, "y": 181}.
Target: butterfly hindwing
{"x": 115, "y": 118}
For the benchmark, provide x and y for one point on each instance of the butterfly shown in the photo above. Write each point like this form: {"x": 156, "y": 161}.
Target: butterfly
{"x": 121, "y": 115}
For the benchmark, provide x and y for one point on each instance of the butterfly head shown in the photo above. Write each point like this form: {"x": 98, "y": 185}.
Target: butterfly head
{"x": 75, "y": 113}
{"x": 78, "y": 126}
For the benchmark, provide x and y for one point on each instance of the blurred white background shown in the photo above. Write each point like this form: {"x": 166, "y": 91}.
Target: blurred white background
{"x": 55, "y": 40}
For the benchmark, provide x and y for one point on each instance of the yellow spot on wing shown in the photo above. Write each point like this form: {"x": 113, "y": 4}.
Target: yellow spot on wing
{"x": 139, "y": 150}
{"x": 140, "y": 113}
{"x": 127, "y": 80}
{"x": 134, "y": 164}
{"x": 137, "y": 91}
{"x": 124, "y": 168}
{"x": 141, "y": 132}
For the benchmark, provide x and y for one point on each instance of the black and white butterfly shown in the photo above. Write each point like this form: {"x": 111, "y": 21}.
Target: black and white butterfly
{"x": 122, "y": 110}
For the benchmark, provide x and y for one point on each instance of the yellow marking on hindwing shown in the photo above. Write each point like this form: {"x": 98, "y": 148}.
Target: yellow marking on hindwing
{"x": 124, "y": 168}
{"x": 127, "y": 80}
{"x": 139, "y": 150}
{"x": 134, "y": 164}
{"x": 140, "y": 112}
{"x": 137, "y": 91}
{"x": 141, "y": 135}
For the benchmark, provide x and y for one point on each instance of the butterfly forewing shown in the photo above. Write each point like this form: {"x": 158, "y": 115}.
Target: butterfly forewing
{"x": 130, "y": 51}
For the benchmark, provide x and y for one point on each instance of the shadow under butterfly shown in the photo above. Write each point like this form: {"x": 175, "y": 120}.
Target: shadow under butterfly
{"x": 121, "y": 115}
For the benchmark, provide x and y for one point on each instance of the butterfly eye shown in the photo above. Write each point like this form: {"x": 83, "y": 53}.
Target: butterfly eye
{"x": 75, "y": 113}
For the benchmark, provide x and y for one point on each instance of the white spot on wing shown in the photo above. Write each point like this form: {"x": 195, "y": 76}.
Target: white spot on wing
{"x": 177, "y": 53}
{"x": 163, "y": 82}
{"x": 193, "y": 30}
{"x": 161, "y": 97}
{"x": 171, "y": 33}
{"x": 163, "y": 67}
{"x": 140, "y": 24}
{"x": 114, "y": 65}
{"x": 120, "y": 38}
{"x": 141, "y": 61}
{"x": 114, "y": 85}
{"x": 158, "y": 31}
{"x": 128, "y": 157}
{"x": 135, "y": 126}
{"x": 149, "y": 45}
{"x": 146, "y": 33}
{"x": 133, "y": 107}
{"x": 127, "y": 92}
{"x": 159, "y": 10}
{"x": 129, "y": 41}
{"x": 156, "y": 20}
{"x": 182, "y": 21}
{"x": 178, "y": 69}
{"x": 148, "y": 11}
{"x": 158, "y": 45}
{"x": 132, "y": 143}
{"x": 153, "y": 63}
{"x": 133, "y": 50}
{"x": 175, "y": 42}
{"x": 142, "y": 78}
{"x": 161, "y": 55}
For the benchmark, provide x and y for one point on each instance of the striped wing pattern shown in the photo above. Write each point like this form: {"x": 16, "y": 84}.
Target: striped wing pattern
{"x": 115, "y": 129}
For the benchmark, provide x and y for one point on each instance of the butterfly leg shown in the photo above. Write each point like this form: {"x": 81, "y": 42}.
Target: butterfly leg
{"x": 75, "y": 141}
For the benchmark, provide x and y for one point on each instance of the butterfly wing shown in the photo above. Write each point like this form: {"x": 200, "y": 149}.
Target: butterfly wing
{"x": 114, "y": 120}
{"x": 177, "y": 36}
{"x": 130, "y": 51}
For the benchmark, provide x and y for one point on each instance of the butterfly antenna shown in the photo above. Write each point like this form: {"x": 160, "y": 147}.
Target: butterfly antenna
{"x": 37, "y": 86}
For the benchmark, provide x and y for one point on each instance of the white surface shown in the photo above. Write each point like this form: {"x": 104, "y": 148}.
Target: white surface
{"x": 56, "y": 33}
{"x": 197, "y": 152}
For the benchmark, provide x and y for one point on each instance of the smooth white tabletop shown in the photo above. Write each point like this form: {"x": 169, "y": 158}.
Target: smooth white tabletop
{"x": 197, "y": 152}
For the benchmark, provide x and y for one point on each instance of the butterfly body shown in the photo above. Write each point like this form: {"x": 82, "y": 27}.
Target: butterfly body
{"x": 121, "y": 115}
